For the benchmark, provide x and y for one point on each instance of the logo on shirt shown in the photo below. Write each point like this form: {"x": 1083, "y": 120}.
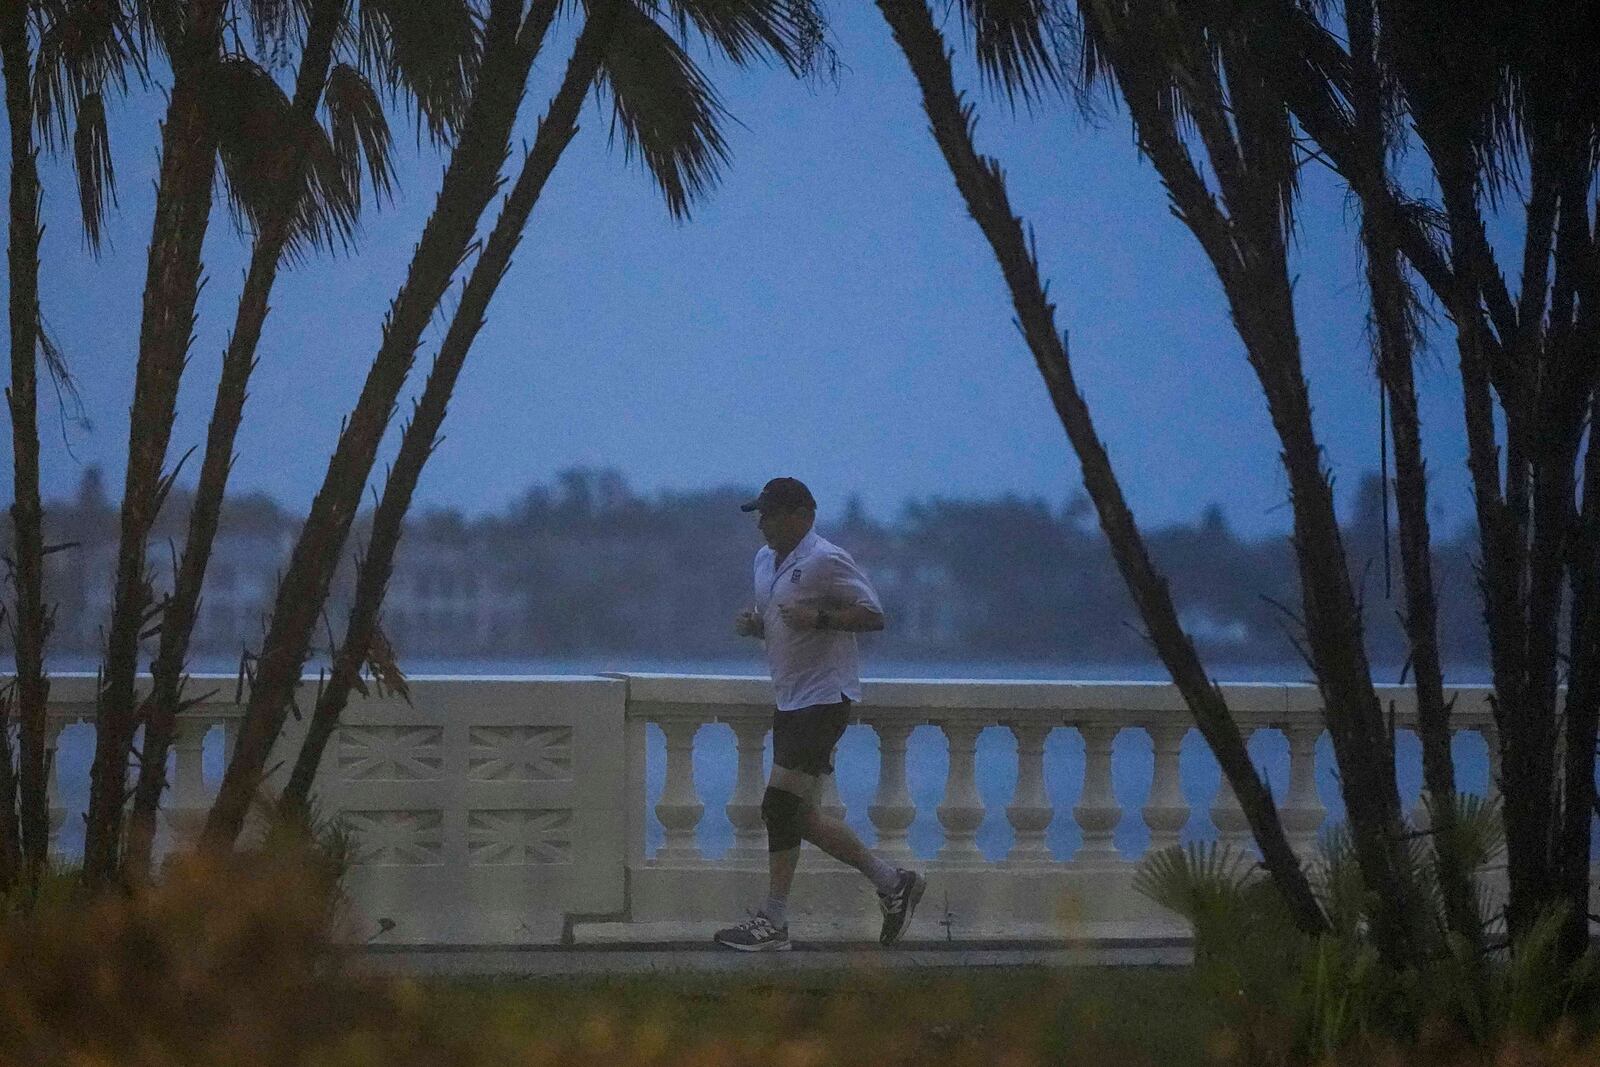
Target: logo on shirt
{"x": 794, "y": 576}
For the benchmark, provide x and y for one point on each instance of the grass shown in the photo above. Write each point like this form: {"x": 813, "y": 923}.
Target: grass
{"x": 1123, "y": 1016}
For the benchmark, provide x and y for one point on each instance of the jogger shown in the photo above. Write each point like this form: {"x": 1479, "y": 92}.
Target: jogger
{"x": 811, "y": 601}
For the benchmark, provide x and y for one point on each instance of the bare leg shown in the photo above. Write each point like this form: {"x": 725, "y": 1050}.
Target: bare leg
{"x": 830, "y": 835}
{"x": 837, "y": 840}
{"x": 781, "y": 865}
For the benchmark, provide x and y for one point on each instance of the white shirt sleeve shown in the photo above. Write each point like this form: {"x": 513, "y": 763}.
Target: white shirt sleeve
{"x": 845, "y": 583}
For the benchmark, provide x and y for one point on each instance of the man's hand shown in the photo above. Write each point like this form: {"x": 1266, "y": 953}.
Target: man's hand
{"x": 749, "y": 624}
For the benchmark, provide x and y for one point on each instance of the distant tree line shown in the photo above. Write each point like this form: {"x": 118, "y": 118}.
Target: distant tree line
{"x": 585, "y": 565}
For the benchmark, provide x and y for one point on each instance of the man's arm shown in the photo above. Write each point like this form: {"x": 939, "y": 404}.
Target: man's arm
{"x": 854, "y": 604}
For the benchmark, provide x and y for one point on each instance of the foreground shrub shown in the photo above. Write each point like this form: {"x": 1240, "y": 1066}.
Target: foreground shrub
{"x": 225, "y": 960}
{"x": 1281, "y": 997}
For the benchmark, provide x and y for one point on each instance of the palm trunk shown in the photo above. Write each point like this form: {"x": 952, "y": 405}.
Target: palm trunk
{"x": 1242, "y": 130}
{"x": 182, "y": 609}
{"x": 1583, "y": 687}
{"x": 556, "y": 131}
{"x": 31, "y": 625}
{"x": 983, "y": 188}
{"x": 1391, "y": 297}
{"x": 183, "y": 209}
{"x": 1581, "y": 342}
{"x": 469, "y": 184}
{"x": 1501, "y": 568}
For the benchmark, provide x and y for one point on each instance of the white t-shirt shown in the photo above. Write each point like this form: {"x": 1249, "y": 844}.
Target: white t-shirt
{"x": 811, "y": 667}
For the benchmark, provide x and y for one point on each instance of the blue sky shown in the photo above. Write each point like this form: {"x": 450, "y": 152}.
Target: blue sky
{"x": 830, "y": 312}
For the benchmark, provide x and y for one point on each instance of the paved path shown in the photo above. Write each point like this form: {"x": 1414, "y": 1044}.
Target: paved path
{"x": 562, "y": 962}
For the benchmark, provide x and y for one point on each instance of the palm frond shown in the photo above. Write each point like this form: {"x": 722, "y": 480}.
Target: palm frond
{"x": 1197, "y": 881}
{"x": 91, "y": 156}
{"x": 257, "y": 136}
{"x": 86, "y": 48}
{"x": 792, "y": 31}
{"x": 272, "y": 24}
{"x": 359, "y": 129}
{"x": 159, "y": 25}
{"x": 1016, "y": 43}
{"x": 424, "y": 54}
{"x": 1454, "y": 60}
{"x": 1480, "y": 834}
{"x": 664, "y": 109}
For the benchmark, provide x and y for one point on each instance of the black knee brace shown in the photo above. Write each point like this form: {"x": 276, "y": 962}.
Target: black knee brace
{"x": 782, "y": 811}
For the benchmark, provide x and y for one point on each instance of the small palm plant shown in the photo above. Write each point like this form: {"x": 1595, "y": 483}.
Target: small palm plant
{"x": 1287, "y": 996}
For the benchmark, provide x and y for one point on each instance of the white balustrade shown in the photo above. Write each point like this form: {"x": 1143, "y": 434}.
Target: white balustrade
{"x": 1166, "y": 811}
{"x": 679, "y": 809}
{"x": 961, "y": 812}
{"x": 891, "y": 811}
{"x": 187, "y": 801}
{"x": 500, "y": 809}
{"x": 1302, "y": 810}
{"x": 1097, "y": 811}
{"x": 1030, "y": 813}
{"x": 744, "y": 807}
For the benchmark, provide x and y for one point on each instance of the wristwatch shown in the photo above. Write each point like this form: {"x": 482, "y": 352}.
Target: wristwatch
{"x": 823, "y": 622}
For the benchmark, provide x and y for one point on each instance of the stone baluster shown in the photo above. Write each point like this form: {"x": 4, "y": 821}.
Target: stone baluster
{"x": 961, "y": 811}
{"x": 892, "y": 811}
{"x": 1233, "y": 829}
{"x": 1166, "y": 811}
{"x": 1097, "y": 810}
{"x": 1302, "y": 810}
{"x": 57, "y": 813}
{"x": 186, "y": 796}
{"x": 1030, "y": 812}
{"x": 744, "y": 807}
{"x": 1491, "y": 741}
{"x": 680, "y": 807}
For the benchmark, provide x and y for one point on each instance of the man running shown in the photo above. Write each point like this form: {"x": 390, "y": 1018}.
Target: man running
{"x": 811, "y": 601}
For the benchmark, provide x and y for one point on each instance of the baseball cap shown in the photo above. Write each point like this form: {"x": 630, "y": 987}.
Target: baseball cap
{"x": 781, "y": 493}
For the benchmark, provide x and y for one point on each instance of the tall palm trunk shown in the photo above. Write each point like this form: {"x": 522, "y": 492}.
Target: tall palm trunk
{"x": 1243, "y": 130}
{"x": 178, "y": 618}
{"x": 469, "y": 184}
{"x": 1583, "y": 686}
{"x": 183, "y": 209}
{"x": 1391, "y": 297}
{"x": 1578, "y": 268}
{"x": 30, "y": 838}
{"x": 555, "y": 132}
{"x": 983, "y": 188}
{"x": 1524, "y": 796}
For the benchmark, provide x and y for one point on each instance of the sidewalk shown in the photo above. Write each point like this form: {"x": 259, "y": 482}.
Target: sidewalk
{"x": 592, "y": 960}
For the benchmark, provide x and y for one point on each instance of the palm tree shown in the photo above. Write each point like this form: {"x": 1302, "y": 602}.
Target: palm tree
{"x": 427, "y": 53}
{"x": 219, "y": 105}
{"x": 192, "y": 37}
{"x": 1014, "y": 48}
{"x": 668, "y": 114}
{"x": 81, "y": 52}
{"x": 1487, "y": 95}
{"x": 510, "y": 43}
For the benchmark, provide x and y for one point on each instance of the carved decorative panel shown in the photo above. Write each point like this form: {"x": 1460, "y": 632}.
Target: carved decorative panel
{"x": 391, "y": 753}
{"x": 519, "y": 836}
{"x": 520, "y": 754}
{"x": 397, "y": 838}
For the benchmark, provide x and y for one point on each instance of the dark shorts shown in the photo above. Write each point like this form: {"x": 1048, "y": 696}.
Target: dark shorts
{"x": 803, "y": 739}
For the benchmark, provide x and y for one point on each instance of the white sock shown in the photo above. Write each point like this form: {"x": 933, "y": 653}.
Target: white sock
{"x": 883, "y": 875}
{"x": 775, "y": 909}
